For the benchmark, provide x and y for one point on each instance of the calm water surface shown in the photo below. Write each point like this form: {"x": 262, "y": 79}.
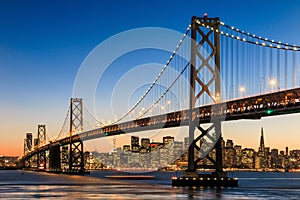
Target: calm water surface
{"x": 38, "y": 185}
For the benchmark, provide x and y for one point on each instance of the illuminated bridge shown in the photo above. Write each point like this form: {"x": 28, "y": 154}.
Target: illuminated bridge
{"x": 222, "y": 74}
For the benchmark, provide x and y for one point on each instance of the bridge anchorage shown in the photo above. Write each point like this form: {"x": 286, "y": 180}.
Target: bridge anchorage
{"x": 60, "y": 156}
{"x": 191, "y": 177}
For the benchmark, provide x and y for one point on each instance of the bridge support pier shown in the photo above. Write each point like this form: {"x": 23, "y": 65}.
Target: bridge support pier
{"x": 54, "y": 159}
{"x": 41, "y": 160}
{"x": 76, "y": 159}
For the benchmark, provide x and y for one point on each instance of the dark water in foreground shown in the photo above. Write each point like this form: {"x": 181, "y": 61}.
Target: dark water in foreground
{"x": 34, "y": 185}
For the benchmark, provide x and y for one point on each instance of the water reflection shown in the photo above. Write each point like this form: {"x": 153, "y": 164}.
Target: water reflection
{"x": 32, "y": 185}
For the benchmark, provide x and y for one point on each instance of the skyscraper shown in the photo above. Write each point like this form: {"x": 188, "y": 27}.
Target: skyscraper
{"x": 135, "y": 144}
{"x": 261, "y": 148}
{"x": 261, "y": 158}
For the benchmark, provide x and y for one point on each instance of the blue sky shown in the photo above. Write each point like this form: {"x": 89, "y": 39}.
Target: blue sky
{"x": 43, "y": 43}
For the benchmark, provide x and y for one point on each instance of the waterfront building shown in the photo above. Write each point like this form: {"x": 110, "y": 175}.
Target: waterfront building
{"x": 238, "y": 155}
{"x": 168, "y": 140}
{"x": 135, "y": 146}
{"x": 229, "y": 158}
{"x": 248, "y": 156}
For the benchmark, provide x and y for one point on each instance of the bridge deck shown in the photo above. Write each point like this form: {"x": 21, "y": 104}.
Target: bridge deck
{"x": 277, "y": 103}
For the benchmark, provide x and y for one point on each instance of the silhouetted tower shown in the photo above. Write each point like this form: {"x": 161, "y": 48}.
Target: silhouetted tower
{"x": 261, "y": 148}
{"x": 76, "y": 159}
{"x": 201, "y": 39}
{"x": 41, "y": 156}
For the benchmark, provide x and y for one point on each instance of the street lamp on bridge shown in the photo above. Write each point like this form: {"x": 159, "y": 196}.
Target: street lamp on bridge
{"x": 242, "y": 90}
{"x": 272, "y": 83}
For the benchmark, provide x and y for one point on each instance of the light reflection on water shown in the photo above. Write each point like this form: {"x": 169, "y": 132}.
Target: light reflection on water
{"x": 33, "y": 185}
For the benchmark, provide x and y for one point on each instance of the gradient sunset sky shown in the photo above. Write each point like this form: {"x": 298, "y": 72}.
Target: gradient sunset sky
{"x": 43, "y": 43}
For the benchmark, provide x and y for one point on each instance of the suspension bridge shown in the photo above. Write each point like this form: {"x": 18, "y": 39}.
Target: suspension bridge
{"x": 216, "y": 73}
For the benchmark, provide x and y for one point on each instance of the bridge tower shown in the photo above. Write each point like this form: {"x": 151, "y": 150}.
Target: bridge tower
{"x": 76, "y": 156}
{"x": 198, "y": 63}
{"x": 41, "y": 156}
{"x": 198, "y": 88}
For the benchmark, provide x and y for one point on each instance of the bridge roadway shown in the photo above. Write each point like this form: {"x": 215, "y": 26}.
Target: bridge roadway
{"x": 255, "y": 107}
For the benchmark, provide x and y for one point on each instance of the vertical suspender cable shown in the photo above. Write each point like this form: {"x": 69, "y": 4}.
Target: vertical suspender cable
{"x": 237, "y": 68}
{"x": 264, "y": 70}
{"x": 294, "y": 68}
{"x": 232, "y": 82}
{"x": 271, "y": 64}
{"x": 278, "y": 69}
{"x": 285, "y": 69}
{"x": 227, "y": 69}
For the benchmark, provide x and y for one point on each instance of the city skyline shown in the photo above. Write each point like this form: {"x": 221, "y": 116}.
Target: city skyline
{"x": 159, "y": 139}
{"x": 43, "y": 44}
{"x": 172, "y": 155}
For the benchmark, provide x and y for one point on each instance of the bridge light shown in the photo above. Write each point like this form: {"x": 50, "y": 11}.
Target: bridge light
{"x": 272, "y": 81}
{"x": 242, "y": 89}
{"x": 269, "y": 111}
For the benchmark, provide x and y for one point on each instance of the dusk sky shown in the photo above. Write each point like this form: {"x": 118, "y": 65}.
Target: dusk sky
{"x": 43, "y": 44}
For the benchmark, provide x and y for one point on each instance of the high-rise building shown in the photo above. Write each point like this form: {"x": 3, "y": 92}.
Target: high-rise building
{"x": 186, "y": 143}
{"x": 229, "y": 144}
{"x": 248, "y": 158}
{"x": 135, "y": 144}
{"x": 261, "y": 148}
{"x": 168, "y": 140}
{"x": 145, "y": 143}
{"x": 261, "y": 160}
{"x": 238, "y": 155}
{"x": 28, "y": 143}
{"x": 126, "y": 148}
{"x": 29, "y": 138}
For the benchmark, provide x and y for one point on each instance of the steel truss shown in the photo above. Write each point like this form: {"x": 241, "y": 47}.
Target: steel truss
{"x": 76, "y": 157}
{"x": 198, "y": 88}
